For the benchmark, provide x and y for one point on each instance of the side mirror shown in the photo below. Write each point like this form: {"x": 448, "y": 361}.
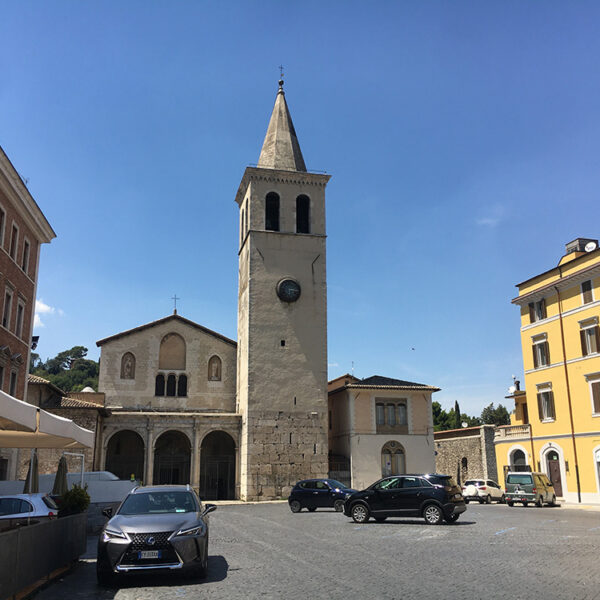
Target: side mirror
{"x": 208, "y": 508}
{"x": 108, "y": 512}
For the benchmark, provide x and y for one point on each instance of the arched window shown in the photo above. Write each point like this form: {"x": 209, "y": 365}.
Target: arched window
{"x": 159, "y": 386}
{"x": 302, "y": 214}
{"x": 393, "y": 459}
{"x": 172, "y": 352}
{"x": 171, "y": 385}
{"x": 272, "y": 212}
{"x": 128, "y": 366}
{"x": 517, "y": 460}
{"x": 182, "y": 385}
{"x": 214, "y": 368}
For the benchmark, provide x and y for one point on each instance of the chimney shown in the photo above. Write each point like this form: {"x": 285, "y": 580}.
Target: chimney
{"x": 580, "y": 244}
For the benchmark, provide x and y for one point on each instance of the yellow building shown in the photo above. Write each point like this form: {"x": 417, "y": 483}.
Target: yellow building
{"x": 556, "y": 424}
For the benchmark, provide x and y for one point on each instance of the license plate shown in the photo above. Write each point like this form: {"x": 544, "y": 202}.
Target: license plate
{"x": 149, "y": 554}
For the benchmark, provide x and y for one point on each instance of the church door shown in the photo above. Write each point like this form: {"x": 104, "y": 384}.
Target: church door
{"x": 217, "y": 467}
{"x": 125, "y": 455}
{"x": 172, "y": 459}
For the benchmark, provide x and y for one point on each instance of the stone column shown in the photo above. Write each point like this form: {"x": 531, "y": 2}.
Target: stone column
{"x": 149, "y": 453}
{"x": 196, "y": 456}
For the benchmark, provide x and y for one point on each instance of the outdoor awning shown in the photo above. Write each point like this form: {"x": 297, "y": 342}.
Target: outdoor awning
{"x": 23, "y": 425}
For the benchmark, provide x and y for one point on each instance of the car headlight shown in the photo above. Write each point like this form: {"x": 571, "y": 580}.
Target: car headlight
{"x": 110, "y": 534}
{"x": 197, "y": 530}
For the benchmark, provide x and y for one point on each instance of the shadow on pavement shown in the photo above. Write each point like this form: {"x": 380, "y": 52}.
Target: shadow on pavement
{"x": 410, "y": 522}
{"x": 217, "y": 571}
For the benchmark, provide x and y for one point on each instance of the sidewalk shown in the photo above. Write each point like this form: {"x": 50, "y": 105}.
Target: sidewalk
{"x": 580, "y": 506}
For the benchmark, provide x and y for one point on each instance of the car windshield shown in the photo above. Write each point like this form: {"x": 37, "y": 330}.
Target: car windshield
{"x": 444, "y": 480}
{"x": 158, "y": 502}
{"x": 522, "y": 479}
{"x": 477, "y": 482}
{"x": 336, "y": 484}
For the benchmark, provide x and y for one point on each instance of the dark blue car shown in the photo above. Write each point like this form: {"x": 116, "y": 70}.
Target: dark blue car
{"x": 318, "y": 493}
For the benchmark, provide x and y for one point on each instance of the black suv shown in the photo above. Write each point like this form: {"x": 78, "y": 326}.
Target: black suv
{"x": 318, "y": 493}
{"x": 431, "y": 496}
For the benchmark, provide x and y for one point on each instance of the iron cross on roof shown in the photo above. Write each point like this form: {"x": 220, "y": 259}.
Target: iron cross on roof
{"x": 175, "y": 298}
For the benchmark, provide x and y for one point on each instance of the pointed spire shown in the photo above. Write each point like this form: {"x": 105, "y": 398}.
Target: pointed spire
{"x": 281, "y": 149}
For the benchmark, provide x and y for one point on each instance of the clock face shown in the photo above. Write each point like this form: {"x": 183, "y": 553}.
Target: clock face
{"x": 288, "y": 290}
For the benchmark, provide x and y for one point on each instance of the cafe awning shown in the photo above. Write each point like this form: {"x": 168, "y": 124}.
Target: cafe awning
{"x": 23, "y": 425}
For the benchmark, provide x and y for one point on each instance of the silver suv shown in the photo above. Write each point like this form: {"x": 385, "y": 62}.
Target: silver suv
{"x": 158, "y": 528}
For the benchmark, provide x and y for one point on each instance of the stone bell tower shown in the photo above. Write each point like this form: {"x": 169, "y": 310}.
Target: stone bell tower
{"x": 282, "y": 316}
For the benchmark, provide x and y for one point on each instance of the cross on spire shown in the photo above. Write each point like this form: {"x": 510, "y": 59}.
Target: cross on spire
{"x": 175, "y": 298}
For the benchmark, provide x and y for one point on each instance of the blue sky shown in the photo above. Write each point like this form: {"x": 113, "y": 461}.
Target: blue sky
{"x": 462, "y": 139}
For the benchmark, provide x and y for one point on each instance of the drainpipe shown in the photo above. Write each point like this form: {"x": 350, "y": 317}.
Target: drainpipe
{"x": 562, "y": 338}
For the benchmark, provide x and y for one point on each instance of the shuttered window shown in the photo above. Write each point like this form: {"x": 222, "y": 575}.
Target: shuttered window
{"x": 596, "y": 396}
{"x": 546, "y": 405}
{"x": 590, "y": 340}
{"x": 541, "y": 354}
{"x": 537, "y": 311}
{"x": 586, "y": 292}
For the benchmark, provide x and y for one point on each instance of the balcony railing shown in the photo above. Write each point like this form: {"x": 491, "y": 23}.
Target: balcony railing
{"x": 512, "y": 431}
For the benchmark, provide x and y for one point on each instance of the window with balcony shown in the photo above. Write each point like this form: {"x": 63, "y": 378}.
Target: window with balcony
{"x": 541, "y": 351}
{"x": 537, "y": 310}
{"x": 590, "y": 337}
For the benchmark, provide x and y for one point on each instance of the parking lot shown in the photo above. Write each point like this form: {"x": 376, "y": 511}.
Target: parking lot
{"x": 265, "y": 551}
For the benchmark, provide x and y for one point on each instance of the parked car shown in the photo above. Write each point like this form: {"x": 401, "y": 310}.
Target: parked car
{"x": 318, "y": 493}
{"x": 156, "y": 528}
{"x": 529, "y": 487}
{"x": 434, "y": 497}
{"x": 482, "y": 490}
{"x": 28, "y": 506}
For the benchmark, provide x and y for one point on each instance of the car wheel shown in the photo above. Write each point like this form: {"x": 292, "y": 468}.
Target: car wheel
{"x": 524, "y": 503}
{"x": 502, "y": 499}
{"x": 467, "y": 501}
{"x": 360, "y": 513}
{"x": 509, "y": 502}
{"x": 295, "y": 506}
{"x": 380, "y": 519}
{"x": 451, "y": 518}
{"x": 312, "y": 509}
{"x": 553, "y": 501}
{"x": 488, "y": 499}
{"x": 338, "y": 505}
{"x": 433, "y": 514}
{"x": 539, "y": 502}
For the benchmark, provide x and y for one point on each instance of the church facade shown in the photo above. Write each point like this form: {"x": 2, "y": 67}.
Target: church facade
{"x": 236, "y": 420}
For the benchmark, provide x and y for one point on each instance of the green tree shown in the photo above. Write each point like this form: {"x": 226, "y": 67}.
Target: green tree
{"x": 457, "y": 419}
{"x": 495, "y": 416}
{"x": 69, "y": 370}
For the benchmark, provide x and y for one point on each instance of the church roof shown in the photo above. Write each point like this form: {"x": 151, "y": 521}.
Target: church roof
{"x": 383, "y": 383}
{"x": 281, "y": 149}
{"x": 174, "y": 317}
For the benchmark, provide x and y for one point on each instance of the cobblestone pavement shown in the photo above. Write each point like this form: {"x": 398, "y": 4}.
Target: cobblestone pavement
{"x": 265, "y": 551}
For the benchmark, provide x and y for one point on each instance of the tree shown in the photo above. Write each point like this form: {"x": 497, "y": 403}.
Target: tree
{"x": 457, "y": 419}
{"x": 69, "y": 370}
{"x": 495, "y": 416}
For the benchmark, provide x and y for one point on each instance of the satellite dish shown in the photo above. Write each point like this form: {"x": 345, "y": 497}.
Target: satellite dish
{"x": 512, "y": 389}
{"x": 590, "y": 246}
{"x": 464, "y": 423}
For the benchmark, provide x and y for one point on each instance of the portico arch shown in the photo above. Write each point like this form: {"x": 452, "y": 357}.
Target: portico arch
{"x": 217, "y": 466}
{"x": 172, "y": 453}
{"x": 125, "y": 455}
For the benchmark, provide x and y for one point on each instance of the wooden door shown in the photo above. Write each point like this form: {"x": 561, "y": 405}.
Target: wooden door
{"x": 554, "y": 474}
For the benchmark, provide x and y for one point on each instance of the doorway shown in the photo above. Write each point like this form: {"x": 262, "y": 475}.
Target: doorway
{"x": 217, "y": 467}
{"x": 172, "y": 459}
{"x": 125, "y": 455}
{"x": 553, "y": 461}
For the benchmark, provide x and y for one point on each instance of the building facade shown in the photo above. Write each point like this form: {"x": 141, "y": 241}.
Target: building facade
{"x": 23, "y": 229}
{"x": 236, "y": 420}
{"x": 379, "y": 426}
{"x": 555, "y": 427}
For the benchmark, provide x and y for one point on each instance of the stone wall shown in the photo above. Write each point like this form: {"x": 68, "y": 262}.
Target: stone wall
{"x": 284, "y": 448}
{"x": 476, "y": 444}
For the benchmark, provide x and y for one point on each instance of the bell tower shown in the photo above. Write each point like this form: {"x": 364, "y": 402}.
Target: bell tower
{"x": 282, "y": 316}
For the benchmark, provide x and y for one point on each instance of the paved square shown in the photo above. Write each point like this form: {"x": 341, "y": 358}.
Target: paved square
{"x": 265, "y": 551}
